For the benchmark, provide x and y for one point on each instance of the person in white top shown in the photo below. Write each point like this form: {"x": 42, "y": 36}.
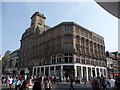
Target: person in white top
{"x": 10, "y": 82}
{"x": 18, "y": 84}
{"x": 112, "y": 82}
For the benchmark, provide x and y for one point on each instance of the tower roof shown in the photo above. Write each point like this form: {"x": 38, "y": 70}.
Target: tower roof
{"x": 39, "y": 14}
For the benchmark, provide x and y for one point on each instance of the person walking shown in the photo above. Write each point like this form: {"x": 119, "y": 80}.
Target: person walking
{"x": 95, "y": 84}
{"x": 37, "y": 84}
{"x": 14, "y": 82}
{"x": 117, "y": 83}
{"x": 25, "y": 85}
{"x": 104, "y": 84}
{"x": 85, "y": 80}
{"x": 18, "y": 84}
{"x": 107, "y": 83}
{"x": 30, "y": 82}
{"x": 47, "y": 84}
{"x": 112, "y": 83}
{"x": 10, "y": 80}
{"x": 71, "y": 83}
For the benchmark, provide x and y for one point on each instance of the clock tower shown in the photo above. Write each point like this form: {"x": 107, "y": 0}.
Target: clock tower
{"x": 38, "y": 19}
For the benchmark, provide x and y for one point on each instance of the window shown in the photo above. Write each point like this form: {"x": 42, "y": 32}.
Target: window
{"x": 68, "y": 37}
{"x": 68, "y": 58}
{"x": 87, "y": 61}
{"x": 78, "y": 71}
{"x": 58, "y": 71}
{"x": 67, "y": 28}
{"x": 58, "y": 58}
{"x": 83, "y": 60}
{"x": 67, "y": 47}
{"x": 53, "y": 59}
{"x": 52, "y": 70}
{"x": 77, "y": 59}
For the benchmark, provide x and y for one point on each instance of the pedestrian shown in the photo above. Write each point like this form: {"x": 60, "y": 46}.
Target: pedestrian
{"x": 80, "y": 80}
{"x": 85, "y": 80}
{"x": 54, "y": 80}
{"x": 42, "y": 83}
{"x": 25, "y": 85}
{"x": 14, "y": 82}
{"x": 7, "y": 81}
{"x": 104, "y": 84}
{"x": 117, "y": 83}
{"x": 30, "y": 82}
{"x": 95, "y": 84}
{"x": 10, "y": 80}
{"x": 18, "y": 84}
{"x": 112, "y": 82}
{"x": 37, "y": 84}
{"x": 71, "y": 83}
{"x": 107, "y": 83}
{"x": 47, "y": 84}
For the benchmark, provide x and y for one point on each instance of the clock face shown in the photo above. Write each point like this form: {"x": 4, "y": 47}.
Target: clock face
{"x": 40, "y": 22}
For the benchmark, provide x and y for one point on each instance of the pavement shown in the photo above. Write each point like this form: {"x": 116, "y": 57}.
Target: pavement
{"x": 66, "y": 86}
{"x": 63, "y": 86}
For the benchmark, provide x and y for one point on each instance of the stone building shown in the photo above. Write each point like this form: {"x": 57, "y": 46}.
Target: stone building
{"x": 66, "y": 49}
{"x": 116, "y": 63}
{"x": 109, "y": 58}
{"x": 12, "y": 64}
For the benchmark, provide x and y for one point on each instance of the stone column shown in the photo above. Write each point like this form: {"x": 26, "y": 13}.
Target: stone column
{"x": 61, "y": 70}
{"x": 106, "y": 72}
{"x": 44, "y": 71}
{"x": 87, "y": 72}
{"x": 99, "y": 72}
{"x": 40, "y": 71}
{"x": 36, "y": 71}
{"x": 75, "y": 68}
{"x": 54, "y": 70}
{"x": 95, "y": 72}
{"x": 33, "y": 72}
{"x": 91, "y": 72}
{"x": 81, "y": 72}
{"x": 49, "y": 70}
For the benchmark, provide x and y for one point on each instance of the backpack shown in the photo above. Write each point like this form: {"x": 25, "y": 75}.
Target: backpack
{"x": 50, "y": 85}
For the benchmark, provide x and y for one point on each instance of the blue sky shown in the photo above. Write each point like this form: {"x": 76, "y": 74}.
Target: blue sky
{"x": 16, "y": 19}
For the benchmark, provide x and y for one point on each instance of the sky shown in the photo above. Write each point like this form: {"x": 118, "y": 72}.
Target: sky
{"x": 16, "y": 19}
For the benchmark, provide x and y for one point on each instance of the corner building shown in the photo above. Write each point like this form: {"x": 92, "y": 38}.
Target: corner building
{"x": 66, "y": 49}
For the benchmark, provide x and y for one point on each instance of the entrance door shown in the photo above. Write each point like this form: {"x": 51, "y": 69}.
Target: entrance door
{"x": 69, "y": 71}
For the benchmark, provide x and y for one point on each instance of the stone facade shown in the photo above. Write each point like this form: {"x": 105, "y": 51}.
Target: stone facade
{"x": 116, "y": 63}
{"x": 12, "y": 64}
{"x": 66, "y": 42}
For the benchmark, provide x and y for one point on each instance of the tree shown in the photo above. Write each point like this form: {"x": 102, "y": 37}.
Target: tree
{"x": 5, "y": 60}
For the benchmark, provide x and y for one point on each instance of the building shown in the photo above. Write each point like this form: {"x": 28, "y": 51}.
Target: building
{"x": 13, "y": 63}
{"x": 116, "y": 63}
{"x": 109, "y": 58}
{"x": 66, "y": 49}
{"x": 11, "y": 66}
